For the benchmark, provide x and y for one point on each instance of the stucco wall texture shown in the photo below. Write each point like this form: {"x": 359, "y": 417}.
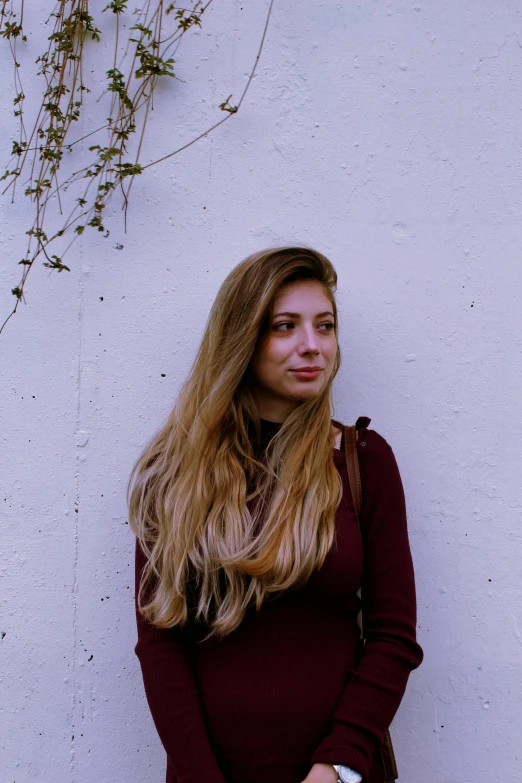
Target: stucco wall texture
{"x": 388, "y": 136}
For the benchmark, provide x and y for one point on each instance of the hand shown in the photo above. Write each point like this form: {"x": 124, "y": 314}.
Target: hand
{"x": 321, "y": 773}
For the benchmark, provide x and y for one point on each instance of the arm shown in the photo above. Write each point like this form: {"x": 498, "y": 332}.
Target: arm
{"x": 172, "y": 694}
{"x": 377, "y": 683}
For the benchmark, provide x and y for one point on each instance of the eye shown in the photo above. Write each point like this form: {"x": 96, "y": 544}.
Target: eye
{"x": 329, "y": 326}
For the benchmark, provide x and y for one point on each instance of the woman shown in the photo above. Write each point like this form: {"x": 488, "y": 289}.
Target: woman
{"x": 249, "y": 555}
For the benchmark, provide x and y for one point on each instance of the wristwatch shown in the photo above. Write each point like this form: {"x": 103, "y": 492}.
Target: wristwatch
{"x": 347, "y": 774}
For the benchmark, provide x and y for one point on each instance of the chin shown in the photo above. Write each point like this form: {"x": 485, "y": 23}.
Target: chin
{"x": 307, "y": 394}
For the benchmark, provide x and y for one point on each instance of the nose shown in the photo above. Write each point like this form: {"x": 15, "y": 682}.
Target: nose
{"x": 309, "y": 341}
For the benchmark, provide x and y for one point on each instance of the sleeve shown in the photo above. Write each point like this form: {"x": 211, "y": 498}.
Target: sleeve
{"x": 377, "y": 683}
{"x": 173, "y": 697}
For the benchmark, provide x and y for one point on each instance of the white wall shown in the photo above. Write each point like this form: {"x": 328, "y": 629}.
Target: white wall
{"x": 387, "y": 135}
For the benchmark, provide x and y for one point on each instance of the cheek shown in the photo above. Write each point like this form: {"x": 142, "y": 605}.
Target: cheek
{"x": 273, "y": 352}
{"x": 332, "y": 353}
{"x": 267, "y": 359}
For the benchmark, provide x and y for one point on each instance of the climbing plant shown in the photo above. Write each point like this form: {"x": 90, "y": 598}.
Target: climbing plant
{"x": 144, "y": 55}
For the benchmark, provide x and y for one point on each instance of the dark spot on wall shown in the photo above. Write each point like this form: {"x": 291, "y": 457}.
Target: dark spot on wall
{"x": 90, "y": 659}
{"x": 101, "y": 298}
{"x": 163, "y": 375}
{"x": 4, "y": 634}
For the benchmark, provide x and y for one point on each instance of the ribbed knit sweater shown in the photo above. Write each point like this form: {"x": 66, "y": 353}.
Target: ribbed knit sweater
{"x": 287, "y": 688}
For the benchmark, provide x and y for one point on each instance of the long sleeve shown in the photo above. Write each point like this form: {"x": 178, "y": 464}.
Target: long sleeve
{"x": 172, "y": 693}
{"x": 377, "y": 683}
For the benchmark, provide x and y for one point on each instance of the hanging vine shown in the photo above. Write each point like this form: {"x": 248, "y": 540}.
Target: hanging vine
{"x": 148, "y": 52}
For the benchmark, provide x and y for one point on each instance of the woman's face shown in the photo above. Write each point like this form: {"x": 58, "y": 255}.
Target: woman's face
{"x": 300, "y": 336}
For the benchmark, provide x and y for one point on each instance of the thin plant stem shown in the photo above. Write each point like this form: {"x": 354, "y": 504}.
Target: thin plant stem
{"x": 61, "y": 68}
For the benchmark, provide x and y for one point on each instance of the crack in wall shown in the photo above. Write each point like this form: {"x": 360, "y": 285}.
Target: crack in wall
{"x": 77, "y": 448}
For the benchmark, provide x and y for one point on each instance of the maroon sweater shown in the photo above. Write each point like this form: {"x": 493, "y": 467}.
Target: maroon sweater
{"x": 286, "y": 690}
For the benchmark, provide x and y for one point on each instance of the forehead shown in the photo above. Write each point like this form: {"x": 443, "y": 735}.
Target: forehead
{"x": 302, "y": 294}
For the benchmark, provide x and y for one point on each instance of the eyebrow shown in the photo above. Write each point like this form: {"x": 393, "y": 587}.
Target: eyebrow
{"x": 298, "y": 315}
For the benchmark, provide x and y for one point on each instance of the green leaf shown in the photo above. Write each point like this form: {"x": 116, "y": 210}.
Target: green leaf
{"x": 116, "y": 6}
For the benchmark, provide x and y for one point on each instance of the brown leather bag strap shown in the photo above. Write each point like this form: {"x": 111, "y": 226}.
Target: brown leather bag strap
{"x": 387, "y": 755}
{"x": 352, "y": 463}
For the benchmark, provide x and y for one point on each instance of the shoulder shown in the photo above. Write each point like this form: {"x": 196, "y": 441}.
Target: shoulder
{"x": 379, "y": 468}
{"x": 371, "y": 436}
{"x": 368, "y": 440}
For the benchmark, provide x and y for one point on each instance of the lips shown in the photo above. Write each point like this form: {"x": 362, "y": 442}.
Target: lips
{"x": 310, "y": 368}
{"x": 307, "y": 374}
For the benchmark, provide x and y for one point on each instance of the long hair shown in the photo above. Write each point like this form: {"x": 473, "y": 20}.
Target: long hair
{"x": 196, "y": 492}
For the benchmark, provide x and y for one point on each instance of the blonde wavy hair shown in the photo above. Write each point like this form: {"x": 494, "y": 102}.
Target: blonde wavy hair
{"x": 197, "y": 491}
